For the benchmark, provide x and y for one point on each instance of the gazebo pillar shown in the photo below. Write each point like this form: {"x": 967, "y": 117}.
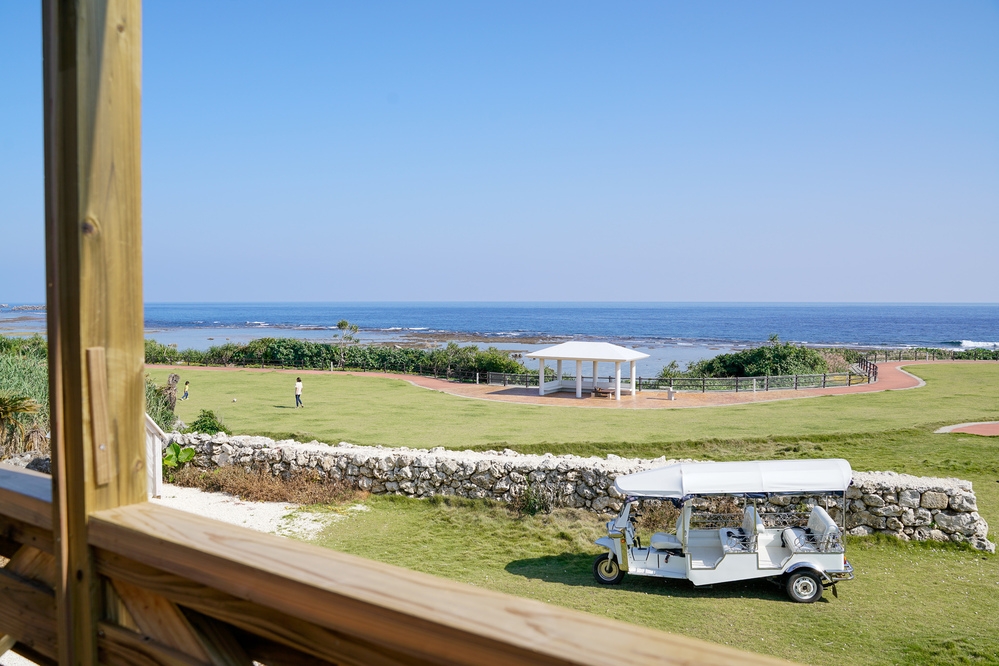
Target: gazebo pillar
{"x": 617, "y": 380}
{"x": 541, "y": 376}
{"x": 579, "y": 379}
{"x": 558, "y": 370}
{"x": 634, "y": 377}
{"x": 594, "y": 378}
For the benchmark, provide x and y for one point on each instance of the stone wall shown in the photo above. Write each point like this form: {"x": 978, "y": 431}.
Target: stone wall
{"x": 904, "y": 506}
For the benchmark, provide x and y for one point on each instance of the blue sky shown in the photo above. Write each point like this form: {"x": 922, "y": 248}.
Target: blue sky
{"x": 645, "y": 151}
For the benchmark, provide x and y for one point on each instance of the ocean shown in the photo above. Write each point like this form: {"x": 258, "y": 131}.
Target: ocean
{"x": 668, "y": 331}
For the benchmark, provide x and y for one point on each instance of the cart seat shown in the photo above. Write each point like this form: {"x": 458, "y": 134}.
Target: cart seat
{"x": 742, "y": 539}
{"x": 821, "y": 536}
{"x": 799, "y": 540}
{"x": 665, "y": 541}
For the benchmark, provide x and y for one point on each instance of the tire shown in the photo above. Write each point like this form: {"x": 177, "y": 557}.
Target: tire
{"x": 606, "y": 570}
{"x": 803, "y": 587}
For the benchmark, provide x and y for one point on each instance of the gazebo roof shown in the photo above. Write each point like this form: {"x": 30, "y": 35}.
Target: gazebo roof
{"x": 588, "y": 351}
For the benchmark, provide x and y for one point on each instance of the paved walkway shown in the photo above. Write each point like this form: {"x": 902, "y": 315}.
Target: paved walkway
{"x": 891, "y": 377}
{"x": 987, "y": 428}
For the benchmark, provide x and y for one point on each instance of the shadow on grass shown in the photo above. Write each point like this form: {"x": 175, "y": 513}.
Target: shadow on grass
{"x": 576, "y": 569}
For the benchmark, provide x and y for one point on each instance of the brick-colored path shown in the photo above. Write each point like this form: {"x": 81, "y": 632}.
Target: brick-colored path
{"x": 891, "y": 377}
{"x": 987, "y": 428}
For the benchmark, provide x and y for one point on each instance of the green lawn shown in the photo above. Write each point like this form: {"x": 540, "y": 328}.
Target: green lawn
{"x": 890, "y": 430}
{"x": 910, "y": 603}
{"x": 371, "y": 410}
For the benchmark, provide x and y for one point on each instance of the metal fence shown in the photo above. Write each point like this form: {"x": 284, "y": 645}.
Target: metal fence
{"x": 706, "y": 384}
{"x": 509, "y": 379}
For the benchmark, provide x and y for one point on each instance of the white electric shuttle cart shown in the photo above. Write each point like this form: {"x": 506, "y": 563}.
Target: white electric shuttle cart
{"x": 803, "y": 559}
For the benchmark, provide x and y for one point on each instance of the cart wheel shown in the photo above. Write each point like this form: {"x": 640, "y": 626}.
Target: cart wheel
{"x": 606, "y": 570}
{"x": 804, "y": 587}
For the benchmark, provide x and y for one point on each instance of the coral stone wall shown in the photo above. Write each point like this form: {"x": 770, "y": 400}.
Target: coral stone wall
{"x": 908, "y": 507}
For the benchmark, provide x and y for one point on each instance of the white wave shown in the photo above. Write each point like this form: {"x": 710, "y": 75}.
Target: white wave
{"x": 972, "y": 344}
{"x": 417, "y": 328}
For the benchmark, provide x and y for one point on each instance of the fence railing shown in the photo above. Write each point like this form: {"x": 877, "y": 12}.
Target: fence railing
{"x": 929, "y": 354}
{"x": 869, "y": 367}
{"x": 706, "y": 384}
{"x": 183, "y": 589}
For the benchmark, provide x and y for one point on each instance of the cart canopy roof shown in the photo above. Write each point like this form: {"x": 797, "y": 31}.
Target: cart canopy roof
{"x": 736, "y": 478}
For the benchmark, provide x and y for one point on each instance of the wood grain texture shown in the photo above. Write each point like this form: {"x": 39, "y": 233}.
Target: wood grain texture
{"x": 27, "y": 612}
{"x": 159, "y": 619}
{"x": 23, "y": 533}
{"x": 97, "y": 388}
{"x": 219, "y": 640}
{"x": 415, "y": 614}
{"x": 34, "y": 564}
{"x": 270, "y": 624}
{"x": 92, "y": 92}
{"x": 121, "y": 647}
{"x": 26, "y": 496}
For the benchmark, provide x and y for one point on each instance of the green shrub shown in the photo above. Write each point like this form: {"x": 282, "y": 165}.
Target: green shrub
{"x": 160, "y": 353}
{"x": 535, "y": 499}
{"x": 208, "y": 423}
{"x": 343, "y": 354}
{"x": 774, "y": 358}
{"x": 173, "y": 457}
{"x": 158, "y": 406}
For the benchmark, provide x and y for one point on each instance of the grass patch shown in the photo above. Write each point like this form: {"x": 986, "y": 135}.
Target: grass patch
{"x": 261, "y": 486}
{"x": 371, "y": 410}
{"x": 910, "y": 603}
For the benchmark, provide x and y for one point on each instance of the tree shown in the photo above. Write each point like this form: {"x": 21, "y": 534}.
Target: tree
{"x": 346, "y": 336}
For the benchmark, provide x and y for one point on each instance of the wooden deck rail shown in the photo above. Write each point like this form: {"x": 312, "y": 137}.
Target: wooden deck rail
{"x": 182, "y": 589}
{"x": 90, "y": 572}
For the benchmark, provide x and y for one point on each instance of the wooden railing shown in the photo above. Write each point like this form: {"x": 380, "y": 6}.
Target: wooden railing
{"x": 177, "y": 588}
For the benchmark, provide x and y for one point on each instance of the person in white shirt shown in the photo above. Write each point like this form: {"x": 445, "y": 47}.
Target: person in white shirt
{"x": 298, "y": 393}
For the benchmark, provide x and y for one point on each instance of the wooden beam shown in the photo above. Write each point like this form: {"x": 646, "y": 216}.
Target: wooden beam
{"x": 412, "y": 614}
{"x": 26, "y": 496}
{"x": 158, "y": 618}
{"x": 27, "y": 612}
{"x": 281, "y": 628}
{"x": 92, "y": 64}
{"x": 118, "y": 646}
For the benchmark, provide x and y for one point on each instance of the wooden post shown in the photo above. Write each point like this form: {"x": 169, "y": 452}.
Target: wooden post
{"x": 93, "y": 229}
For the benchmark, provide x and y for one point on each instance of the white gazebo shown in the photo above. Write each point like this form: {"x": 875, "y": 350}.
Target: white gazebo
{"x": 593, "y": 352}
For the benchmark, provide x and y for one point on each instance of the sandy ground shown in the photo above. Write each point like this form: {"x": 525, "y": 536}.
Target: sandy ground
{"x": 279, "y": 518}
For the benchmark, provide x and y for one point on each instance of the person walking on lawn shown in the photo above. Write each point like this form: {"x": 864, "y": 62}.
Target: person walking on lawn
{"x": 298, "y": 393}
{"x": 187, "y": 388}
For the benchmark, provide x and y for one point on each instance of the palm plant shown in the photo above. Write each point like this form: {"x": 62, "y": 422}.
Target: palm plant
{"x": 11, "y": 407}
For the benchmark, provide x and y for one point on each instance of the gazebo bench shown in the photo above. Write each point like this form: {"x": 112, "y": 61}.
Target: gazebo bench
{"x": 597, "y": 391}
